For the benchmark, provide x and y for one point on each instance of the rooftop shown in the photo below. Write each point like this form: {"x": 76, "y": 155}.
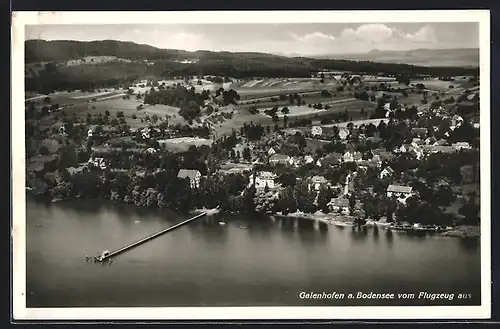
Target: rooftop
{"x": 399, "y": 189}
{"x": 188, "y": 173}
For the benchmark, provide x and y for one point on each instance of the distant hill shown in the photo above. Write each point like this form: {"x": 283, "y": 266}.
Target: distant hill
{"x": 101, "y": 70}
{"x": 461, "y": 57}
{"x": 65, "y": 50}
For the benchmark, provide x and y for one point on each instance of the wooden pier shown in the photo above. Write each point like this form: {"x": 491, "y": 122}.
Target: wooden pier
{"x": 150, "y": 237}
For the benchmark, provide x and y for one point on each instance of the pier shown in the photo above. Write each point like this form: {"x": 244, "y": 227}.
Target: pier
{"x": 150, "y": 237}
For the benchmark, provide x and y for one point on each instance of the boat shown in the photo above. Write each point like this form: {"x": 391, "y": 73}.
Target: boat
{"x": 222, "y": 223}
{"x": 103, "y": 255}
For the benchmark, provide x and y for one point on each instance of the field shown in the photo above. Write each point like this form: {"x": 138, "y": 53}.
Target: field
{"x": 182, "y": 144}
{"x": 242, "y": 116}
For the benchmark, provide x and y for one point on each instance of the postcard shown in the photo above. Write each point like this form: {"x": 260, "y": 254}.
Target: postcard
{"x": 259, "y": 165}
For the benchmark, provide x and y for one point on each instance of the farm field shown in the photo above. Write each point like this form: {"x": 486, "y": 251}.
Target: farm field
{"x": 438, "y": 85}
{"x": 182, "y": 144}
{"x": 242, "y": 117}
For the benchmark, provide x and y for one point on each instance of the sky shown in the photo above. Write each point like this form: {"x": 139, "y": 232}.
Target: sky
{"x": 288, "y": 39}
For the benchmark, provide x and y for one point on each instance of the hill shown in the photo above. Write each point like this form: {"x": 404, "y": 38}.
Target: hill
{"x": 48, "y": 68}
{"x": 464, "y": 57}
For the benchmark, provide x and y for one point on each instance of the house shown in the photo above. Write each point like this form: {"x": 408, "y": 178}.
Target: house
{"x": 343, "y": 133}
{"x": 376, "y": 160}
{"x": 317, "y": 182}
{"x": 76, "y": 170}
{"x": 456, "y": 120}
{"x": 357, "y": 157}
{"x": 430, "y": 140}
{"x": 146, "y": 133}
{"x": 339, "y": 205}
{"x": 308, "y": 159}
{"x": 441, "y": 149}
{"x": 383, "y": 154}
{"x": 263, "y": 179}
{"x": 417, "y": 152}
{"x": 98, "y": 162}
{"x": 401, "y": 193}
{"x": 316, "y": 131}
{"x": 419, "y": 131}
{"x": 440, "y": 142}
{"x": 348, "y": 157}
{"x": 151, "y": 150}
{"x": 280, "y": 158}
{"x": 271, "y": 151}
{"x": 461, "y": 145}
{"x": 416, "y": 142}
{"x": 387, "y": 172}
{"x": 194, "y": 176}
{"x": 404, "y": 148}
{"x": 476, "y": 125}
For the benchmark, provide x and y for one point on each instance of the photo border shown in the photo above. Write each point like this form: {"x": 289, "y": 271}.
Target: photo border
{"x": 20, "y": 312}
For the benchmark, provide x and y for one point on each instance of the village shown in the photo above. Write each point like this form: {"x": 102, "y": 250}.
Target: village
{"x": 412, "y": 165}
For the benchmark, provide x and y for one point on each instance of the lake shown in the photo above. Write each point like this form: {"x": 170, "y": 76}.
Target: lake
{"x": 251, "y": 261}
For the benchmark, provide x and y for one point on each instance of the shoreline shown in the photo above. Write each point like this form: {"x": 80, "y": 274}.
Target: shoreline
{"x": 460, "y": 231}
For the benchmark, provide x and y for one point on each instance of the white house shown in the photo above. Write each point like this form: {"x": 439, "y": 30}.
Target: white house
{"x": 263, "y": 179}
{"x": 402, "y": 193}
{"x": 456, "y": 120}
{"x": 343, "y": 133}
{"x": 98, "y": 162}
{"x": 194, "y": 176}
{"x": 271, "y": 151}
{"x": 348, "y": 157}
{"x": 357, "y": 157}
{"x": 145, "y": 132}
{"x": 308, "y": 159}
{"x": 317, "y": 182}
{"x": 151, "y": 150}
{"x": 316, "y": 131}
{"x": 461, "y": 145}
{"x": 387, "y": 172}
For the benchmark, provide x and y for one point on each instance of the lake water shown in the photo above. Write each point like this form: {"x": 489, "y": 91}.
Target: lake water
{"x": 251, "y": 261}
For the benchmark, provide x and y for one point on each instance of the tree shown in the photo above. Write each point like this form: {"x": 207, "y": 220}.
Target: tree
{"x": 305, "y": 198}
{"x": 324, "y": 196}
{"x": 286, "y": 201}
{"x": 253, "y": 110}
{"x": 287, "y": 178}
{"x": 285, "y": 110}
{"x": 246, "y": 154}
{"x": 119, "y": 114}
{"x": 43, "y": 150}
{"x": 470, "y": 210}
{"x": 352, "y": 204}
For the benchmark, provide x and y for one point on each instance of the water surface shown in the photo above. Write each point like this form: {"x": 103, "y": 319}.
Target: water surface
{"x": 251, "y": 261}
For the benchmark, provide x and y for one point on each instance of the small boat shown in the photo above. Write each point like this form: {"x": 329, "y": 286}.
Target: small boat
{"x": 243, "y": 227}
{"x": 137, "y": 221}
{"x": 222, "y": 223}
{"x": 103, "y": 255}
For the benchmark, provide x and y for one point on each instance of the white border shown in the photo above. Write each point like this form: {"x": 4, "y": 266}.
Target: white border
{"x": 20, "y": 312}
